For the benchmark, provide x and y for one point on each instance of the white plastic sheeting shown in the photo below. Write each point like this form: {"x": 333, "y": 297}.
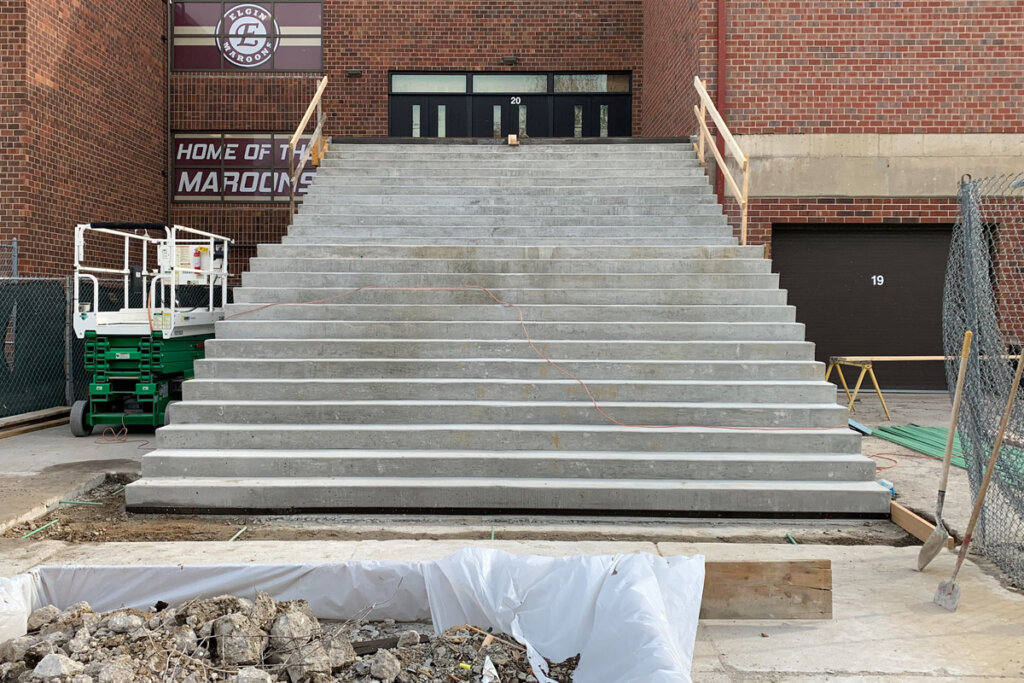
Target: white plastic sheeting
{"x": 632, "y": 618}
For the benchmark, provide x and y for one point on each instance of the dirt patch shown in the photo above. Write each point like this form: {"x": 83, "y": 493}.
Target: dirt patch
{"x": 104, "y": 519}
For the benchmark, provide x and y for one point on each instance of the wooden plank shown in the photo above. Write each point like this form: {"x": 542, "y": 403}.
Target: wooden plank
{"x": 915, "y": 525}
{"x": 25, "y": 429}
{"x": 34, "y": 416}
{"x": 871, "y": 359}
{"x": 723, "y": 130}
{"x": 767, "y": 590}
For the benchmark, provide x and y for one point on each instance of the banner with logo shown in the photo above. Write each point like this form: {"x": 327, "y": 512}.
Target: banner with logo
{"x": 241, "y": 167}
{"x": 256, "y": 36}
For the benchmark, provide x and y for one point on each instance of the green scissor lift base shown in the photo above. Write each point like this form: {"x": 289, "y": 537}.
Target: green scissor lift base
{"x": 134, "y": 378}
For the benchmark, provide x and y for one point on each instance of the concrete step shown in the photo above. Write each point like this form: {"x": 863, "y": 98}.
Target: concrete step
{"x": 561, "y": 494}
{"x": 496, "y": 200}
{"x": 609, "y": 281}
{"x": 454, "y": 265}
{"x": 620, "y": 164}
{"x": 596, "y": 313}
{"x": 508, "y": 465}
{"x": 508, "y": 368}
{"x": 343, "y": 191}
{"x": 506, "y": 412}
{"x": 511, "y": 437}
{"x": 426, "y": 238}
{"x": 543, "y": 253}
{"x": 507, "y": 329}
{"x": 466, "y": 389}
{"x": 534, "y": 154}
{"x": 513, "y": 348}
{"x": 538, "y": 179}
{"x": 498, "y": 146}
{"x": 516, "y": 295}
{"x": 426, "y": 212}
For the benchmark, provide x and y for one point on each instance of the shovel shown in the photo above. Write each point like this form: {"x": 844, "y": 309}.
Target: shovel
{"x": 939, "y": 535}
{"x": 948, "y": 594}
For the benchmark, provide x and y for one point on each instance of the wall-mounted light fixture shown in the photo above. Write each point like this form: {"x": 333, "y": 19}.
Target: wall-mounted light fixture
{"x": 510, "y": 60}
{"x": 354, "y": 73}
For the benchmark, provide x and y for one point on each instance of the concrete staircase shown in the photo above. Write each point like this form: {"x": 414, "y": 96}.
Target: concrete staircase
{"x": 627, "y": 275}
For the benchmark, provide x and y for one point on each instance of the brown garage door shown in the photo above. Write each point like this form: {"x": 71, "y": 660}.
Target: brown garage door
{"x": 869, "y": 291}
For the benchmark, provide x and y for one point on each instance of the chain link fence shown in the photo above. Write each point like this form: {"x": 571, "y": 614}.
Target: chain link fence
{"x": 43, "y": 362}
{"x": 34, "y": 329}
{"x": 985, "y": 293}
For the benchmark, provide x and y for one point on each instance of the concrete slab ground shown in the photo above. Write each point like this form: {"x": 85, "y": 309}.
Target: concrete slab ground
{"x": 39, "y": 468}
{"x": 915, "y": 476}
{"x": 885, "y": 626}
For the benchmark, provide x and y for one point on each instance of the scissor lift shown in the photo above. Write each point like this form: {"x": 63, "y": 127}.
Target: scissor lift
{"x": 140, "y": 353}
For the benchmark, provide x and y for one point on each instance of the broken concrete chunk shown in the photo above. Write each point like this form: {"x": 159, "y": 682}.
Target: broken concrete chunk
{"x": 184, "y": 640}
{"x": 204, "y": 610}
{"x": 239, "y": 640}
{"x": 124, "y": 622}
{"x": 252, "y": 675}
{"x": 308, "y": 663}
{"x": 263, "y": 611}
{"x": 409, "y": 639}
{"x": 81, "y": 678}
{"x": 340, "y": 652}
{"x": 293, "y": 628}
{"x": 54, "y": 665}
{"x": 116, "y": 671}
{"x": 14, "y": 649}
{"x": 42, "y": 616}
{"x": 385, "y": 666}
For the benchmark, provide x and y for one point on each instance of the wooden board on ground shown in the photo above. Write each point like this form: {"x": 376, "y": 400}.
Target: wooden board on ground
{"x": 767, "y": 590}
{"x": 915, "y": 525}
{"x": 34, "y": 416}
{"x": 34, "y": 427}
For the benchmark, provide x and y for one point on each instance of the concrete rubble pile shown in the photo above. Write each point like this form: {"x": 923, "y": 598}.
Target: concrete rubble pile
{"x": 237, "y": 640}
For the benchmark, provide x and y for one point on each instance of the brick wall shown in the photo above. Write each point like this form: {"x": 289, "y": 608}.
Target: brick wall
{"x": 469, "y": 35}
{"x": 678, "y": 42}
{"x": 13, "y": 120}
{"x": 903, "y": 66}
{"x": 96, "y": 131}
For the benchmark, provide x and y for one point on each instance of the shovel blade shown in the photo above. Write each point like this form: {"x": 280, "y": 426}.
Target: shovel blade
{"x": 930, "y": 550}
{"x": 947, "y": 596}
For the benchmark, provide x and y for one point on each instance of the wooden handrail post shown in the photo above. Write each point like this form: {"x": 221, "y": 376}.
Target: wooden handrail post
{"x": 746, "y": 196}
{"x": 703, "y": 117}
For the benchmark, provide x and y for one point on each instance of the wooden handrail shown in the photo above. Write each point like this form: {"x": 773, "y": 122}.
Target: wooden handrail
{"x": 707, "y": 107}
{"x": 317, "y": 146}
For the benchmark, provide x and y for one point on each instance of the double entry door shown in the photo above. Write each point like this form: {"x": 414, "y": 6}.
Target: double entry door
{"x": 497, "y": 116}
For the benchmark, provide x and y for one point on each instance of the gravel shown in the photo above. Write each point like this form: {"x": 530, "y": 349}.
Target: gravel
{"x": 237, "y": 640}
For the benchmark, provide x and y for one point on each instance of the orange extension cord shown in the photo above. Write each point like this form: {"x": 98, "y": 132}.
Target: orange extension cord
{"x": 540, "y": 354}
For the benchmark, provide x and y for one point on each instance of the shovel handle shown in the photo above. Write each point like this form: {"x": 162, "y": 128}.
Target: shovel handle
{"x": 965, "y": 352}
{"x": 989, "y": 468}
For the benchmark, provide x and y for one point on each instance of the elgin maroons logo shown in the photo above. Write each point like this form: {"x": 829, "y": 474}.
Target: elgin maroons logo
{"x": 248, "y": 35}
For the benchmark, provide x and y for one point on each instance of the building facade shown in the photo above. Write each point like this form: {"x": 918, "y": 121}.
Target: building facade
{"x": 858, "y": 118}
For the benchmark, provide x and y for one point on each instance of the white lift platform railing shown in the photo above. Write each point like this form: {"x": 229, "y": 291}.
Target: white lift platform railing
{"x": 184, "y": 257}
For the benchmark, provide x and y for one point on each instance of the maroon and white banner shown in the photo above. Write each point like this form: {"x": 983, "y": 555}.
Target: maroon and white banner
{"x": 236, "y": 167}
{"x": 254, "y": 36}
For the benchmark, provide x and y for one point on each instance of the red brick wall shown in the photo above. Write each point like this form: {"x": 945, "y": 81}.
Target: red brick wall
{"x": 678, "y": 42}
{"x": 469, "y": 35}
{"x": 764, "y": 212}
{"x": 892, "y": 66}
{"x": 14, "y": 116}
{"x": 96, "y": 132}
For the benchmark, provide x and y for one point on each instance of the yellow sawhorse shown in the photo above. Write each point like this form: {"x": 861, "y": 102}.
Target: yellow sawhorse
{"x": 865, "y": 365}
